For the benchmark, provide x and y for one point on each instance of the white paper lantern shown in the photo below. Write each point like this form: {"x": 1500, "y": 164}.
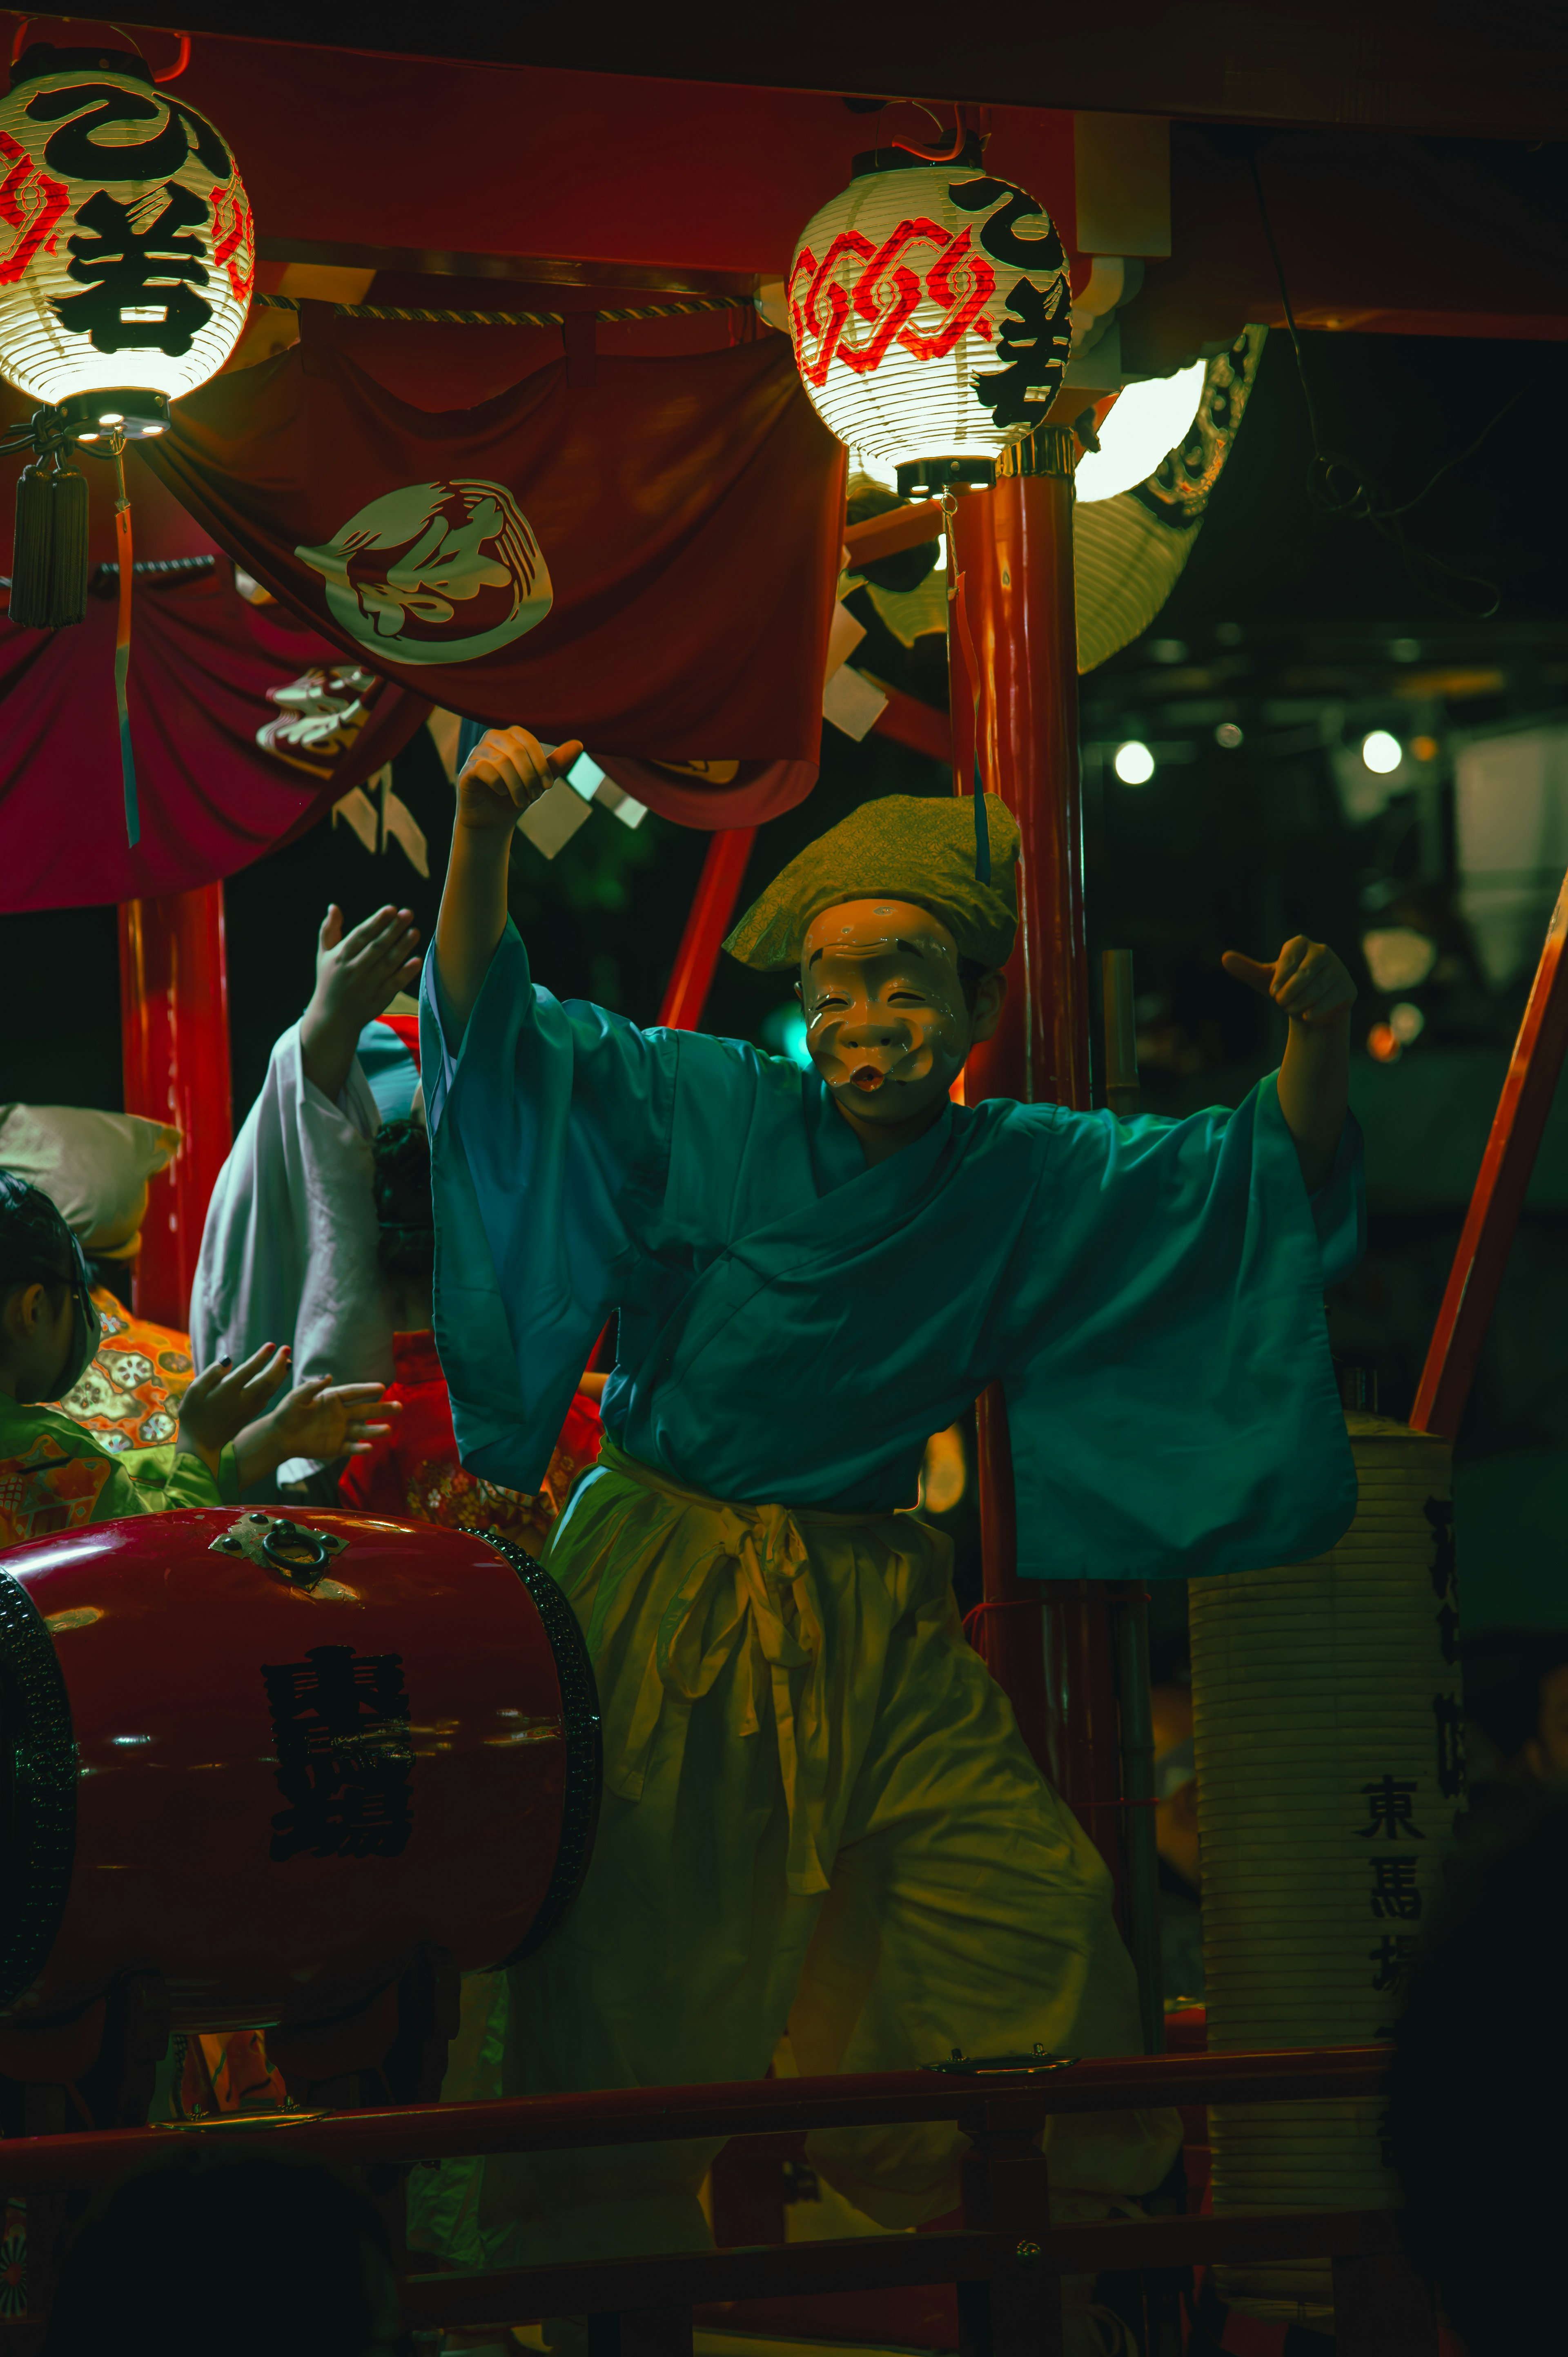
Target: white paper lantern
{"x": 929, "y": 310}
{"x": 1329, "y": 1770}
{"x": 127, "y": 251}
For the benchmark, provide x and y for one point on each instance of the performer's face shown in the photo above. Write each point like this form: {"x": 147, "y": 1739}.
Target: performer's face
{"x": 886, "y": 1021}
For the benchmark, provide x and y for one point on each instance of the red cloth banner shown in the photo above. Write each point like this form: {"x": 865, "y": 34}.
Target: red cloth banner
{"x": 209, "y": 673}
{"x": 640, "y": 552}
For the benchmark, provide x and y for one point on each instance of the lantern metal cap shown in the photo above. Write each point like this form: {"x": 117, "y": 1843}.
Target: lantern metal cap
{"x": 43, "y": 57}
{"x": 128, "y": 409}
{"x": 928, "y": 477}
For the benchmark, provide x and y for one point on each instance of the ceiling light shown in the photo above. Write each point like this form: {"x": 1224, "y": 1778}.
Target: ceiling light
{"x": 1134, "y": 763}
{"x": 1381, "y": 753}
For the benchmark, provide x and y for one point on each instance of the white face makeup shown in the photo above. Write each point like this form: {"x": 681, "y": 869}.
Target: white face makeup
{"x": 886, "y": 1023}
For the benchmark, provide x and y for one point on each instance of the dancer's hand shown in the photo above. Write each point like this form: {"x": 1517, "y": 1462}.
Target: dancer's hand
{"x": 357, "y": 974}
{"x": 508, "y": 769}
{"x": 1312, "y": 986}
{"x": 1306, "y": 982}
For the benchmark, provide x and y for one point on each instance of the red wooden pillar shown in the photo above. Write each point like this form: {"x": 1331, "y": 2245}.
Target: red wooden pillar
{"x": 707, "y": 922}
{"x": 1013, "y": 547}
{"x": 174, "y": 1023}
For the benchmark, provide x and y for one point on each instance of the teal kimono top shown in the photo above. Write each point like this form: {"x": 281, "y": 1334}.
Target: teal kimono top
{"x": 794, "y": 1324}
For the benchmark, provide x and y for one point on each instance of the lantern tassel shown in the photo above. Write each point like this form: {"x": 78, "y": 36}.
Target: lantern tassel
{"x": 122, "y": 650}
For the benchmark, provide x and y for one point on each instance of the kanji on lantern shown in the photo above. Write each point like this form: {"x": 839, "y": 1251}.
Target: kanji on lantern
{"x": 1390, "y": 1810}
{"x": 1449, "y": 1714}
{"x": 139, "y": 280}
{"x": 1393, "y": 1956}
{"x": 1394, "y": 1891}
{"x": 127, "y": 251}
{"x": 906, "y": 291}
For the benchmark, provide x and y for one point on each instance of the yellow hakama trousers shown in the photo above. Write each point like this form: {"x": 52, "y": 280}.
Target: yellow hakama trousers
{"x": 819, "y": 1815}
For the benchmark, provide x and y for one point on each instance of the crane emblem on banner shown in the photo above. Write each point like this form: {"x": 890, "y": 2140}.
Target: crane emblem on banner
{"x": 436, "y": 572}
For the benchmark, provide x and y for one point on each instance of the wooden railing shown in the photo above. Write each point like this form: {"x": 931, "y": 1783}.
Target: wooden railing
{"x": 1007, "y": 2260}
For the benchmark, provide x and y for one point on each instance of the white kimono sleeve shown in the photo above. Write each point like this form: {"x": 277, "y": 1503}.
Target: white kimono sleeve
{"x": 288, "y": 1253}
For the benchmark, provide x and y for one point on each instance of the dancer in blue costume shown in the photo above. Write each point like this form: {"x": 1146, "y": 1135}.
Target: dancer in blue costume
{"x": 818, "y": 1809}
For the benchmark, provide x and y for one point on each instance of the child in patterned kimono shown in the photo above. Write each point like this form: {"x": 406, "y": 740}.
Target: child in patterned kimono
{"x": 95, "y": 1168}
{"x": 55, "y": 1475}
{"x": 818, "y": 1811}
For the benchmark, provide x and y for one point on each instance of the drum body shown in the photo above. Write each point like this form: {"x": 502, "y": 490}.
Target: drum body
{"x": 268, "y": 1767}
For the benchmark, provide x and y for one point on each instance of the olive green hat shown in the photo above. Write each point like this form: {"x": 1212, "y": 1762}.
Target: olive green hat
{"x": 913, "y": 847}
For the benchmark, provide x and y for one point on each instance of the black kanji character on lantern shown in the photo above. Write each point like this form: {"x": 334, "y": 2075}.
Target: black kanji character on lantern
{"x": 1450, "y": 1716}
{"x": 998, "y": 233}
{"x": 1448, "y": 1631}
{"x": 1034, "y": 336}
{"x": 1439, "y": 1513}
{"x": 139, "y": 274}
{"x": 1388, "y": 1810}
{"x": 1393, "y": 1956}
{"x": 341, "y": 1726}
{"x": 77, "y": 153}
{"x": 1394, "y": 1888}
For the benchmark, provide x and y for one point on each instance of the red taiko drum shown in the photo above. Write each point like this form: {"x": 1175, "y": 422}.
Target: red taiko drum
{"x": 266, "y": 1758}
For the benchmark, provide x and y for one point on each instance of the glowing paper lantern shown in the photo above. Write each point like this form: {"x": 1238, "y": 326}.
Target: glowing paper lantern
{"x": 1146, "y": 422}
{"x": 929, "y": 310}
{"x": 126, "y": 247}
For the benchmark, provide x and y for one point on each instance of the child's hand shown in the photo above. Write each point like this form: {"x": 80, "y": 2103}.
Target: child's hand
{"x": 506, "y": 771}
{"x": 1307, "y": 981}
{"x": 225, "y": 1398}
{"x": 357, "y": 973}
{"x": 317, "y": 1419}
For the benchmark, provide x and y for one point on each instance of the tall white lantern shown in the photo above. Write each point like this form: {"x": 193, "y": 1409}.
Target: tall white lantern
{"x": 929, "y": 310}
{"x": 127, "y": 251}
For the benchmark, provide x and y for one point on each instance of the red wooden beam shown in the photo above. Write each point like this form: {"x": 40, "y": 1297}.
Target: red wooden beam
{"x": 1506, "y": 1167}
{"x": 897, "y": 528}
{"x": 653, "y": 2115}
{"x": 920, "y": 725}
{"x": 712, "y": 906}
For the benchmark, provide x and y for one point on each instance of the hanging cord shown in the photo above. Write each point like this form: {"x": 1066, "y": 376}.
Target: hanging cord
{"x": 123, "y": 641}
{"x": 514, "y": 319}
{"x": 959, "y": 605}
{"x": 946, "y": 155}
{"x": 1339, "y": 488}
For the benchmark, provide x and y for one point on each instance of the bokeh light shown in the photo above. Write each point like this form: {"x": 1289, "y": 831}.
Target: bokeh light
{"x": 1134, "y": 763}
{"x": 1381, "y": 753}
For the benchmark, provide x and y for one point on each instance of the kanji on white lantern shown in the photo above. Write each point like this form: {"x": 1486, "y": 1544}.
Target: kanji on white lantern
{"x": 127, "y": 251}
{"x": 929, "y": 310}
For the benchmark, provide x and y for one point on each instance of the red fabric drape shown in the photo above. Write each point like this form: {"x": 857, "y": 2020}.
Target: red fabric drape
{"x": 640, "y": 552}
{"x": 212, "y": 800}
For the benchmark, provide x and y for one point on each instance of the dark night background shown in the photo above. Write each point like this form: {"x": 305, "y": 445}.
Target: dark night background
{"x": 1300, "y": 630}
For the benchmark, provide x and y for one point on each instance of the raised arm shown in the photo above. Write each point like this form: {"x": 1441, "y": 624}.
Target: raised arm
{"x": 506, "y": 771}
{"x": 357, "y": 974}
{"x": 1310, "y": 985}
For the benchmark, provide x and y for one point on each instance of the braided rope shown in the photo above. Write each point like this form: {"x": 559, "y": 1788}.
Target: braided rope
{"x": 511, "y": 318}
